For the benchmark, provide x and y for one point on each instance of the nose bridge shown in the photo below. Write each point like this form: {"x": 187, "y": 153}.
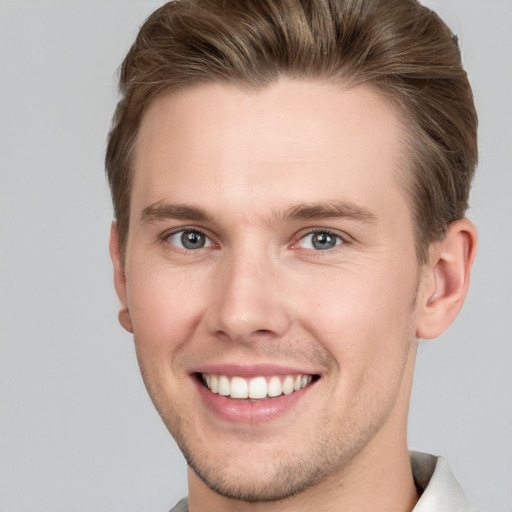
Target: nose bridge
{"x": 247, "y": 301}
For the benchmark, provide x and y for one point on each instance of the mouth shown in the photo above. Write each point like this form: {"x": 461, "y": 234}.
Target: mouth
{"x": 255, "y": 388}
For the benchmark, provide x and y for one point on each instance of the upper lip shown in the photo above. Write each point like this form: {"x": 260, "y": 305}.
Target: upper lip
{"x": 249, "y": 371}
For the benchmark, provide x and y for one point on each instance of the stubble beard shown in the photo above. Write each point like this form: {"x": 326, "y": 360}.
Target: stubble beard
{"x": 323, "y": 459}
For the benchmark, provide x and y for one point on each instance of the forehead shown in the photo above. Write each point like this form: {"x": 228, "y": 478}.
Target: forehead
{"x": 291, "y": 142}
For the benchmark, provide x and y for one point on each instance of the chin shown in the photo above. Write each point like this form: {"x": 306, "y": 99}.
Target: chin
{"x": 274, "y": 474}
{"x": 244, "y": 481}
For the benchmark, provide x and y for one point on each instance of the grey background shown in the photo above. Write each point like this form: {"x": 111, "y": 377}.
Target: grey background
{"x": 77, "y": 431}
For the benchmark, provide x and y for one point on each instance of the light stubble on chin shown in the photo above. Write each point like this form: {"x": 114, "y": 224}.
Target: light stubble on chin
{"x": 282, "y": 478}
{"x": 324, "y": 458}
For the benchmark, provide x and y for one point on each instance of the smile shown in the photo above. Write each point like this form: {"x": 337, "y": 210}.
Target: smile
{"x": 256, "y": 388}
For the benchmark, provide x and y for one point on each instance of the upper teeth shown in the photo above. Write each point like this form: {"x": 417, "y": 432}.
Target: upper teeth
{"x": 257, "y": 387}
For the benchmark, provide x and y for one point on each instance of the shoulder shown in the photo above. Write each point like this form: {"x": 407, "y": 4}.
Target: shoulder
{"x": 181, "y": 506}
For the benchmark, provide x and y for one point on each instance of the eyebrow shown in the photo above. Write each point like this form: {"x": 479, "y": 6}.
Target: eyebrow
{"x": 329, "y": 210}
{"x": 162, "y": 211}
{"x": 302, "y": 211}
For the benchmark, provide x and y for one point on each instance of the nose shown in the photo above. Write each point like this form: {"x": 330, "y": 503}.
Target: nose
{"x": 248, "y": 303}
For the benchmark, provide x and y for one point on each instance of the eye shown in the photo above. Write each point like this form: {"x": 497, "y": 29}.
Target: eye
{"x": 190, "y": 239}
{"x": 320, "y": 241}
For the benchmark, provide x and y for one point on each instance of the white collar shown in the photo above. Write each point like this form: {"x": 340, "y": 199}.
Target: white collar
{"x": 440, "y": 491}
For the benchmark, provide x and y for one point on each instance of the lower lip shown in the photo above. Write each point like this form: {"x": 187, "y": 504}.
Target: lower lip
{"x": 249, "y": 411}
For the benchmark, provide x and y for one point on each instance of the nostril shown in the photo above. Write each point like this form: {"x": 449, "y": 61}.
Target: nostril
{"x": 247, "y": 319}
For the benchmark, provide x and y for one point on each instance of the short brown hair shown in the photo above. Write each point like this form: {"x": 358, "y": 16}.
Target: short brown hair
{"x": 399, "y": 47}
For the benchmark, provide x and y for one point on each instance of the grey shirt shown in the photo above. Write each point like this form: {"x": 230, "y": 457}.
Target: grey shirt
{"x": 440, "y": 492}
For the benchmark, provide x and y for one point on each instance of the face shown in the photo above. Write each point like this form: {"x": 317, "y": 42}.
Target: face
{"x": 271, "y": 278}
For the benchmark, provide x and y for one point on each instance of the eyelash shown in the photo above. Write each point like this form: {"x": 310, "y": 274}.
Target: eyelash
{"x": 341, "y": 240}
{"x": 181, "y": 231}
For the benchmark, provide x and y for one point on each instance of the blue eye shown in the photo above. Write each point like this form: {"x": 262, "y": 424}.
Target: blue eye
{"x": 320, "y": 241}
{"x": 190, "y": 239}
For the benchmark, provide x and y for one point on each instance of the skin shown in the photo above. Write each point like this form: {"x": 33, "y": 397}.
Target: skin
{"x": 259, "y": 293}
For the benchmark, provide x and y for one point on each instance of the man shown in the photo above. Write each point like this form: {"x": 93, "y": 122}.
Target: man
{"x": 289, "y": 182}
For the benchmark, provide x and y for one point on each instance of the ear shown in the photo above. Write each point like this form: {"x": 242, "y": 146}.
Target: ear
{"x": 445, "y": 280}
{"x": 119, "y": 278}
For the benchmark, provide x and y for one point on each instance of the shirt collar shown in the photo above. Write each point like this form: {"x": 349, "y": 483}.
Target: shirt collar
{"x": 440, "y": 492}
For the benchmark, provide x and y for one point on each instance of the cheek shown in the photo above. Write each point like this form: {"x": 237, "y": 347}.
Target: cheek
{"x": 361, "y": 316}
{"x": 165, "y": 307}
{"x": 365, "y": 325}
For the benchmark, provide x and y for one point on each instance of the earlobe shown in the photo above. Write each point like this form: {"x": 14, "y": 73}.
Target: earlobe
{"x": 446, "y": 279}
{"x": 119, "y": 278}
